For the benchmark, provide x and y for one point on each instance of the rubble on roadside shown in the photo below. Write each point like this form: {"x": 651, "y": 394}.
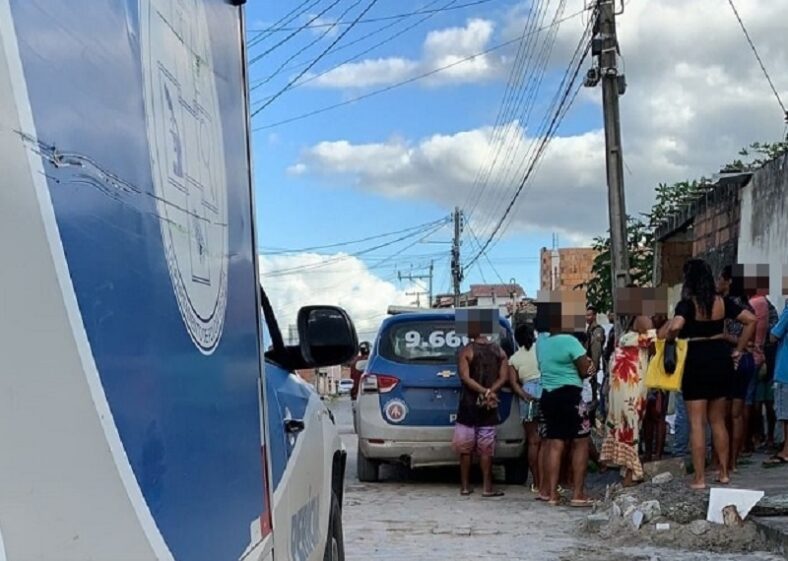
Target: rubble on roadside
{"x": 664, "y": 512}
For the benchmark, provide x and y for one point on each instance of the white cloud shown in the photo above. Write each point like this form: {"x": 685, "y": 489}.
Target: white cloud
{"x": 696, "y": 96}
{"x": 345, "y": 281}
{"x": 440, "y": 48}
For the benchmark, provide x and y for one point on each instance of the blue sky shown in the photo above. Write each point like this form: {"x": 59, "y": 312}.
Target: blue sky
{"x": 408, "y": 156}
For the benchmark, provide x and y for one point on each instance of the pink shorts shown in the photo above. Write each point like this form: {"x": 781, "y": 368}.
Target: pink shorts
{"x": 474, "y": 440}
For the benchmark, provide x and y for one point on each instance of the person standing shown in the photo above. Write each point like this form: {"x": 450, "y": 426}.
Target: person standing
{"x": 355, "y": 371}
{"x": 595, "y": 346}
{"x": 709, "y": 365}
{"x": 524, "y": 380}
{"x": 779, "y": 336}
{"x": 563, "y": 364}
{"x": 628, "y": 400}
{"x": 483, "y": 370}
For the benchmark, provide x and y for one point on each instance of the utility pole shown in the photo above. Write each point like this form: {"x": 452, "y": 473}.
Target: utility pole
{"x": 428, "y": 277}
{"x": 456, "y": 267}
{"x": 605, "y": 49}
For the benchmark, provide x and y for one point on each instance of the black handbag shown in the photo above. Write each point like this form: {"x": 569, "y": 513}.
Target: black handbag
{"x": 670, "y": 360}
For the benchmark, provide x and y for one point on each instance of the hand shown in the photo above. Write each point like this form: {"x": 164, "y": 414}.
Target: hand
{"x": 736, "y": 356}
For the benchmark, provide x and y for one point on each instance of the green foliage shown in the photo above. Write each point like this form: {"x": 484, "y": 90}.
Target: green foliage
{"x": 670, "y": 199}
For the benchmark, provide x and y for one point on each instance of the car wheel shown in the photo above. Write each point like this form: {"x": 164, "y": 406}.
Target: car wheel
{"x": 335, "y": 544}
{"x": 368, "y": 470}
{"x": 516, "y": 472}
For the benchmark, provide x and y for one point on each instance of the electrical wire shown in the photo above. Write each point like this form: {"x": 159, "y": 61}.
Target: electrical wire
{"x": 368, "y": 50}
{"x": 396, "y": 85}
{"x": 353, "y": 242}
{"x": 758, "y": 58}
{"x": 257, "y": 58}
{"x": 287, "y": 19}
{"x": 292, "y": 57}
{"x": 486, "y": 255}
{"x": 315, "y": 61}
{"x": 560, "y": 111}
{"x": 382, "y": 18}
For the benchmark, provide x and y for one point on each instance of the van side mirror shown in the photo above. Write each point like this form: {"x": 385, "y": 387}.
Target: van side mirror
{"x": 327, "y": 336}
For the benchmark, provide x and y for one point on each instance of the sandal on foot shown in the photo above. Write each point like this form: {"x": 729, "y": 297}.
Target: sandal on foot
{"x": 775, "y": 461}
{"x": 581, "y": 503}
{"x": 493, "y": 494}
{"x": 466, "y": 492}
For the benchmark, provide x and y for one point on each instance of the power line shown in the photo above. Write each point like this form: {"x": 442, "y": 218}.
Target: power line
{"x": 271, "y": 49}
{"x": 315, "y": 61}
{"x": 357, "y": 56}
{"x": 479, "y": 245}
{"x": 361, "y": 240}
{"x": 263, "y": 35}
{"x": 758, "y": 58}
{"x": 549, "y": 133}
{"x": 379, "y": 18}
{"x": 396, "y": 85}
{"x": 303, "y": 49}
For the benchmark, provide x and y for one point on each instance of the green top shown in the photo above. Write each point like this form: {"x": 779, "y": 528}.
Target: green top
{"x": 557, "y": 355}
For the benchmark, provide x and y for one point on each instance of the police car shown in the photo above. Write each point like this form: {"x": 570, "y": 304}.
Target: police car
{"x": 140, "y": 419}
{"x": 409, "y": 392}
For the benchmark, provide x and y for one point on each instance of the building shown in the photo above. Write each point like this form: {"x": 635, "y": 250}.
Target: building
{"x": 500, "y": 296}
{"x": 565, "y": 268}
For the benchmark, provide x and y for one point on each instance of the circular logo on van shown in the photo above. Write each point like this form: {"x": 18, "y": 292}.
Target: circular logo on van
{"x": 396, "y": 411}
{"x": 184, "y": 130}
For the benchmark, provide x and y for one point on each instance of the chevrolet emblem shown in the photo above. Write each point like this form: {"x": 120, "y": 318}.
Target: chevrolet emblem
{"x": 446, "y": 374}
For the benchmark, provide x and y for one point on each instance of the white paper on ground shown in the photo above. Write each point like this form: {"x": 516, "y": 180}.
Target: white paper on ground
{"x": 743, "y": 499}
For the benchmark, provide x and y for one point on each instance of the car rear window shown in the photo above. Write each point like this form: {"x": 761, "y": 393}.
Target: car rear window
{"x": 426, "y": 342}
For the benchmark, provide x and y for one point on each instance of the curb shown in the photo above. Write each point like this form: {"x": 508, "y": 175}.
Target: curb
{"x": 775, "y": 532}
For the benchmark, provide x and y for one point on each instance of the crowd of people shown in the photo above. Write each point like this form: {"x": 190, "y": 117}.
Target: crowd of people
{"x": 733, "y": 387}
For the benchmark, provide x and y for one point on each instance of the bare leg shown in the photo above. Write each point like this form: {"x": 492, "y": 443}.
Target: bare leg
{"x": 696, "y": 412}
{"x": 739, "y": 426}
{"x": 465, "y": 473}
{"x": 662, "y": 431}
{"x": 534, "y": 443}
{"x": 551, "y": 468}
{"x": 771, "y": 423}
{"x": 719, "y": 433}
{"x": 580, "y": 448}
{"x": 649, "y": 428}
{"x": 486, "y": 465}
{"x": 784, "y": 451}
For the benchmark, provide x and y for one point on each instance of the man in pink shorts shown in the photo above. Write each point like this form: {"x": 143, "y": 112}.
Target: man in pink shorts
{"x": 483, "y": 371}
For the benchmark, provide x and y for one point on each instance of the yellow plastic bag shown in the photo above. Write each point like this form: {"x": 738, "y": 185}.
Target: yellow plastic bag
{"x": 656, "y": 377}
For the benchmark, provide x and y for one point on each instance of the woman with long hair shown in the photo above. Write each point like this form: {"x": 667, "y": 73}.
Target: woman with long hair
{"x": 524, "y": 380}
{"x": 710, "y": 365}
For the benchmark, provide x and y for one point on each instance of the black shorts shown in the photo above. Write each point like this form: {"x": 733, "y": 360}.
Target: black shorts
{"x": 565, "y": 414}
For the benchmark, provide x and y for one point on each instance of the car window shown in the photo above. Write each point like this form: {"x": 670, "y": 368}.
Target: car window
{"x": 425, "y": 341}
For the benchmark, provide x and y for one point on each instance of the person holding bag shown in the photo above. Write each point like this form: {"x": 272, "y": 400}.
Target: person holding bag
{"x": 709, "y": 366}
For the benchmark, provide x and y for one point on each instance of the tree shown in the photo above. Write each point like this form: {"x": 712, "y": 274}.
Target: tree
{"x": 640, "y": 241}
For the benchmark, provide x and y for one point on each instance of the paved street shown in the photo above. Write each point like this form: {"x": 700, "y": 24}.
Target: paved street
{"x": 420, "y": 517}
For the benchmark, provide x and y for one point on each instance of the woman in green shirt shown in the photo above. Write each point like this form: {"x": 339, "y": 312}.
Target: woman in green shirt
{"x": 563, "y": 364}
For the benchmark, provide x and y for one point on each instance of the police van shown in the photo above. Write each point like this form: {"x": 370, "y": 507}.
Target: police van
{"x": 141, "y": 416}
{"x": 407, "y": 403}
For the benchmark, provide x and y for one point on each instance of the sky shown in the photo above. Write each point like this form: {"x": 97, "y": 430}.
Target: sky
{"x": 390, "y": 168}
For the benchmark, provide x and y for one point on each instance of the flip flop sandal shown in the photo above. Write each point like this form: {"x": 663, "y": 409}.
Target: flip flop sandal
{"x": 542, "y": 499}
{"x": 466, "y": 492}
{"x": 775, "y": 461}
{"x": 581, "y": 503}
{"x": 493, "y": 494}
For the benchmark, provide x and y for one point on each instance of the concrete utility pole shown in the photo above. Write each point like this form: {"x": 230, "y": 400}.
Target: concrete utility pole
{"x": 456, "y": 267}
{"x": 605, "y": 47}
{"x": 428, "y": 277}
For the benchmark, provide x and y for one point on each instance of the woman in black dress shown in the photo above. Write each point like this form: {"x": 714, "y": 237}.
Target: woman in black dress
{"x": 709, "y": 368}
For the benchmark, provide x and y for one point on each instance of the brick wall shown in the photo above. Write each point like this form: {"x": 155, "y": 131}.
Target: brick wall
{"x": 574, "y": 267}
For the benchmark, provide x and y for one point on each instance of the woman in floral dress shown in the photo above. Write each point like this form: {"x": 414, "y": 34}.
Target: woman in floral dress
{"x": 628, "y": 399}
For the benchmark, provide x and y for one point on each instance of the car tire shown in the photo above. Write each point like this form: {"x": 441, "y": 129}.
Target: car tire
{"x": 516, "y": 472}
{"x": 335, "y": 542}
{"x": 368, "y": 470}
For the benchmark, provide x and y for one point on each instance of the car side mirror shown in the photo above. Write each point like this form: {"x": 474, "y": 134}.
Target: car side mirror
{"x": 327, "y": 336}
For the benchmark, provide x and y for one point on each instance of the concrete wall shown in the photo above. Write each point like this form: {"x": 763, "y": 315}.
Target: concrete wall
{"x": 763, "y": 235}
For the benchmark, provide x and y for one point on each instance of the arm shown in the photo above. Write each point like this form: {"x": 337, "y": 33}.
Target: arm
{"x": 596, "y": 346}
{"x": 747, "y": 319}
{"x": 672, "y": 329}
{"x": 466, "y": 356}
{"x": 514, "y": 382}
{"x": 503, "y": 373}
{"x": 779, "y": 330}
{"x": 584, "y": 367}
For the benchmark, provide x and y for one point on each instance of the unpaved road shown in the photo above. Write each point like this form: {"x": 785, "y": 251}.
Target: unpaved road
{"x": 421, "y": 517}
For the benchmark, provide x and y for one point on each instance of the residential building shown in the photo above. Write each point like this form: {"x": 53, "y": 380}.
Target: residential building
{"x": 565, "y": 268}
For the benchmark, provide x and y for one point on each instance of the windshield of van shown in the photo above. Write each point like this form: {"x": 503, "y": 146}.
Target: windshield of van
{"x": 424, "y": 342}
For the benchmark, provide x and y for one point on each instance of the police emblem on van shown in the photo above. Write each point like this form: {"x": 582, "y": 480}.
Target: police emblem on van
{"x": 186, "y": 146}
{"x": 396, "y": 411}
